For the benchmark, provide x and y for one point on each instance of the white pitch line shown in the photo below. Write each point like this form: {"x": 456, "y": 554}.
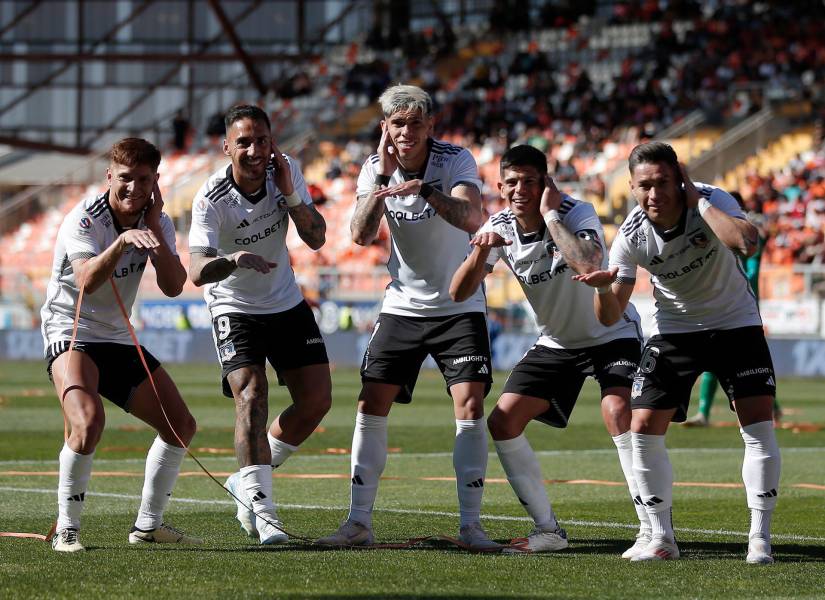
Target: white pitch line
{"x": 431, "y": 513}
{"x": 401, "y": 455}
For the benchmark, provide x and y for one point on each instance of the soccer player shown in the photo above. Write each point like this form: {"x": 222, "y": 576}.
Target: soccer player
{"x": 110, "y": 238}
{"x": 687, "y": 236}
{"x": 709, "y": 382}
{"x": 238, "y": 251}
{"x": 429, "y": 192}
{"x": 544, "y": 236}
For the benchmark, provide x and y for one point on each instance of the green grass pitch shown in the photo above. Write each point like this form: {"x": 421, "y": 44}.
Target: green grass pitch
{"x": 417, "y": 498}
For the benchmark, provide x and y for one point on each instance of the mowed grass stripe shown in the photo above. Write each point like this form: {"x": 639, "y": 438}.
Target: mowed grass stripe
{"x": 432, "y": 513}
{"x": 488, "y": 480}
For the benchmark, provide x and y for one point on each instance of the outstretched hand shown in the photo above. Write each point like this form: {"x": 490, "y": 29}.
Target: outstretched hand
{"x": 488, "y": 240}
{"x": 408, "y": 188}
{"x": 598, "y": 278}
{"x": 247, "y": 260}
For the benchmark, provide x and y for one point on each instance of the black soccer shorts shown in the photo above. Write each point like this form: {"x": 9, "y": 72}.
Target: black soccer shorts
{"x": 398, "y": 346}
{"x": 557, "y": 375}
{"x": 671, "y": 363}
{"x": 120, "y": 370}
{"x": 288, "y": 340}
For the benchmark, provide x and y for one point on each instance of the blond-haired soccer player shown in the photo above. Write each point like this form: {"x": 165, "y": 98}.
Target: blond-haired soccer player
{"x": 430, "y": 194}
{"x": 111, "y": 237}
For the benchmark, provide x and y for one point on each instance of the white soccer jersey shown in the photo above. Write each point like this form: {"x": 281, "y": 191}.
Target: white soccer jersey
{"x": 225, "y": 221}
{"x": 563, "y": 307}
{"x": 426, "y": 249}
{"x": 88, "y": 230}
{"x": 697, "y": 281}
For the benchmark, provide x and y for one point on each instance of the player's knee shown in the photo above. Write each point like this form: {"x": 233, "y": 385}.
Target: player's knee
{"x": 500, "y": 426}
{"x": 616, "y": 411}
{"x": 87, "y": 434}
{"x": 187, "y": 428}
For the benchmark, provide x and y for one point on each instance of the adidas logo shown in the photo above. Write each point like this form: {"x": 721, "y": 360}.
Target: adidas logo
{"x": 258, "y": 497}
{"x": 657, "y": 260}
{"x": 771, "y": 381}
{"x": 478, "y": 483}
{"x": 654, "y": 501}
{"x": 78, "y": 497}
{"x": 770, "y": 494}
{"x": 243, "y": 224}
{"x": 484, "y": 370}
{"x": 357, "y": 480}
{"x": 638, "y": 501}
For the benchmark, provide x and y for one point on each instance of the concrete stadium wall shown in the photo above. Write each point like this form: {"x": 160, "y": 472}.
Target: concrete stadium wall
{"x": 792, "y": 357}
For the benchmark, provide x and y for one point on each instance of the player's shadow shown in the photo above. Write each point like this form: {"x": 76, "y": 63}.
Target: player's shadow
{"x": 701, "y": 549}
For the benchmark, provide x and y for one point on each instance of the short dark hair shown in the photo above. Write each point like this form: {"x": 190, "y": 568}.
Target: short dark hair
{"x": 524, "y": 156}
{"x": 653, "y": 152}
{"x": 245, "y": 111}
{"x": 132, "y": 152}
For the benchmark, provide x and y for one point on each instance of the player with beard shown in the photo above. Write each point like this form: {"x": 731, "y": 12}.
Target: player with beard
{"x": 237, "y": 240}
{"x": 430, "y": 194}
{"x": 688, "y": 237}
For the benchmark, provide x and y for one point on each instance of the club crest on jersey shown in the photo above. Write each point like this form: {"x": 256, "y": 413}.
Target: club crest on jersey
{"x": 85, "y": 223}
{"x": 226, "y": 351}
{"x": 699, "y": 240}
{"x": 639, "y": 239}
{"x": 552, "y": 249}
{"x": 231, "y": 199}
{"x": 505, "y": 230}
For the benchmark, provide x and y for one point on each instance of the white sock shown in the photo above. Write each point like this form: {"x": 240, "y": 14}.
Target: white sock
{"x": 760, "y": 473}
{"x": 654, "y": 476}
{"x": 470, "y": 464}
{"x": 624, "y": 445}
{"x": 369, "y": 457}
{"x": 162, "y": 468}
{"x": 524, "y": 474}
{"x": 280, "y": 450}
{"x": 75, "y": 471}
{"x": 256, "y": 484}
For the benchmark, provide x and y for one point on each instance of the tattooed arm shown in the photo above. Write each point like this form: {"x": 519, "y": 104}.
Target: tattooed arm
{"x": 310, "y": 225}
{"x": 462, "y": 208}
{"x": 582, "y": 251}
{"x": 367, "y": 218}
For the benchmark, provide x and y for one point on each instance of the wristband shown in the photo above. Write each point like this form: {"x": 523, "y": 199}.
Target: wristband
{"x": 426, "y": 191}
{"x": 603, "y": 289}
{"x": 382, "y": 179}
{"x": 552, "y": 216}
{"x": 293, "y": 200}
{"x": 703, "y": 206}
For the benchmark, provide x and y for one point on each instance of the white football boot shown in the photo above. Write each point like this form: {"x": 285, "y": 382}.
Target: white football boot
{"x": 542, "y": 540}
{"x": 642, "y": 540}
{"x": 350, "y": 533}
{"x": 244, "y": 515}
{"x": 476, "y": 538}
{"x": 659, "y": 548}
{"x": 165, "y": 534}
{"x": 66, "y": 540}
{"x": 759, "y": 551}
{"x": 270, "y": 530}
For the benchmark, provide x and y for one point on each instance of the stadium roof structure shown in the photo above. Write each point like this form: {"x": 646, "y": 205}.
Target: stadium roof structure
{"x": 73, "y": 72}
